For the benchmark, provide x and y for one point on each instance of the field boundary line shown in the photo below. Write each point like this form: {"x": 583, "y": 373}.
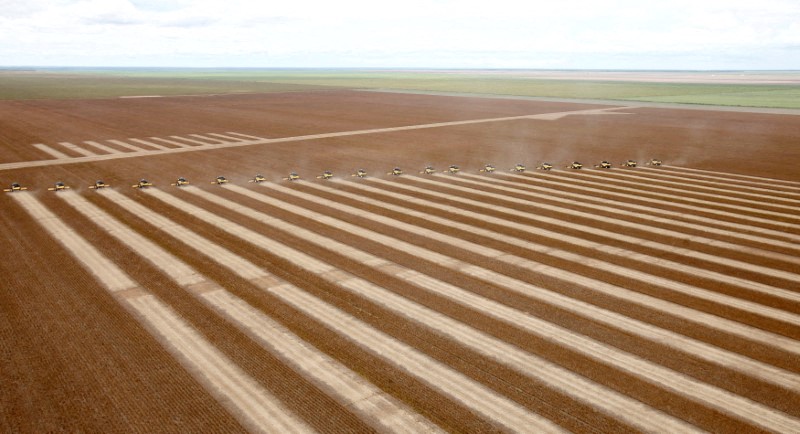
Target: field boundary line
{"x": 262, "y": 141}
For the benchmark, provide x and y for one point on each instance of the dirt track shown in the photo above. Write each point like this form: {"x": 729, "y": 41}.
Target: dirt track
{"x": 622, "y": 300}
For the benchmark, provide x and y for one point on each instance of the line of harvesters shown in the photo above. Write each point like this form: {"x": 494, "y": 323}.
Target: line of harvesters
{"x": 360, "y": 173}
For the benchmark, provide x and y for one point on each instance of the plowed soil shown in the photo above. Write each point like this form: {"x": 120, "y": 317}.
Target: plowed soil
{"x": 674, "y": 289}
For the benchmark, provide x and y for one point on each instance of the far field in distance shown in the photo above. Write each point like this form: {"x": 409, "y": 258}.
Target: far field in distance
{"x": 767, "y": 89}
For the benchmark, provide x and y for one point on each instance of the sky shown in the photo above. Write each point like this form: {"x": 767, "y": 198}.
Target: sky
{"x": 563, "y": 34}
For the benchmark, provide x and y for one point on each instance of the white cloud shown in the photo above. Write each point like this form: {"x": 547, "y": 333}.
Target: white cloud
{"x": 501, "y": 33}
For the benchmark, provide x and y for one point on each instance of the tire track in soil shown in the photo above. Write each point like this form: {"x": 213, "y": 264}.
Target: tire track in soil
{"x": 352, "y": 391}
{"x": 209, "y": 366}
{"x": 476, "y": 396}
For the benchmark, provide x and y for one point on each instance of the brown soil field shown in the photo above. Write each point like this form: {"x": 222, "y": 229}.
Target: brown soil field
{"x": 656, "y": 298}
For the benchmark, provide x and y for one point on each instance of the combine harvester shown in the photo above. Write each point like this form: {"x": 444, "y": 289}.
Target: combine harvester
{"x": 180, "y": 182}
{"x": 293, "y": 176}
{"x": 143, "y": 183}
{"x": 452, "y": 170}
{"x": 488, "y": 168}
{"x": 655, "y": 162}
{"x": 59, "y": 186}
{"x": 395, "y": 172}
{"x": 259, "y": 178}
{"x": 361, "y": 173}
{"x": 603, "y": 165}
{"x": 428, "y": 170}
{"x": 629, "y": 163}
{"x": 544, "y": 166}
{"x": 326, "y": 175}
{"x": 15, "y": 187}
{"x": 98, "y": 185}
{"x": 575, "y": 165}
{"x": 518, "y": 168}
{"x": 220, "y": 180}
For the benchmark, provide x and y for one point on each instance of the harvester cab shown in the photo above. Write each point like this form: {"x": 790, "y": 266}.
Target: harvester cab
{"x": 59, "y": 186}
{"x": 545, "y": 166}
{"x": 395, "y": 172}
{"x": 629, "y": 163}
{"x": 15, "y": 187}
{"x": 292, "y": 177}
{"x": 603, "y": 165}
{"x": 98, "y": 185}
{"x": 180, "y": 182}
{"x": 361, "y": 173}
{"x": 143, "y": 183}
{"x": 258, "y": 179}
{"x": 654, "y": 162}
{"x": 220, "y": 180}
{"x": 518, "y": 168}
{"x": 428, "y": 170}
{"x": 488, "y": 168}
{"x": 452, "y": 169}
{"x": 326, "y": 175}
{"x": 575, "y": 165}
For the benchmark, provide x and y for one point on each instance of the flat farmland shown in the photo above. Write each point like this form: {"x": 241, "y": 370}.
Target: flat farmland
{"x": 656, "y": 298}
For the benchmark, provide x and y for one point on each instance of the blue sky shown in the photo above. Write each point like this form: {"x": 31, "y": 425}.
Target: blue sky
{"x": 676, "y": 34}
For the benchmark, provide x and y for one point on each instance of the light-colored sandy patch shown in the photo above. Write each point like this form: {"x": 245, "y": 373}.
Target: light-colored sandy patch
{"x": 50, "y": 151}
{"x": 491, "y": 276}
{"x": 735, "y": 177}
{"x": 102, "y": 147}
{"x": 171, "y": 266}
{"x": 580, "y": 259}
{"x": 223, "y": 256}
{"x": 477, "y": 397}
{"x": 105, "y": 271}
{"x": 792, "y": 277}
{"x": 651, "y": 209}
{"x": 261, "y": 411}
{"x": 246, "y": 136}
{"x": 196, "y": 142}
{"x": 77, "y": 149}
{"x": 128, "y": 146}
{"x": 752, "y": 205}
{"x": 662, "y": 176}
{"x": 227, "y": 138}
